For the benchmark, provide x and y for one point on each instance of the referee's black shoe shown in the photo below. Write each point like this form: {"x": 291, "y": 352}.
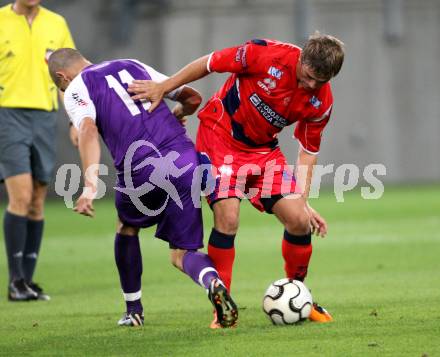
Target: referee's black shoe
{"x": 18, "y": 290}
{"x": 39, "y": 290}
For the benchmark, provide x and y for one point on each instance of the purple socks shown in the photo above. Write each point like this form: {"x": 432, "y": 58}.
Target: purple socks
{"x": 199, "y": 267}
{"x": 129, "y": 262}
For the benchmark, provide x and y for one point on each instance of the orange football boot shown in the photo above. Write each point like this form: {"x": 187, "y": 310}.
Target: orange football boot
{"x": 319, "y": 314}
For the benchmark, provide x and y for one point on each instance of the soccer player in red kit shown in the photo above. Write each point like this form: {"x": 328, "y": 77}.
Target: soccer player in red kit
{"x": 272, "y": 85}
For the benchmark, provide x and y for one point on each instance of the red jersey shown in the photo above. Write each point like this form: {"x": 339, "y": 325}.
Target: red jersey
{"x": 261, "y": 97}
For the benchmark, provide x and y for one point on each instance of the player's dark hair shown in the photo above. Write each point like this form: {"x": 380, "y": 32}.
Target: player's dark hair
{"x": 62, "y": 59}
{"x": 324, "y": 54}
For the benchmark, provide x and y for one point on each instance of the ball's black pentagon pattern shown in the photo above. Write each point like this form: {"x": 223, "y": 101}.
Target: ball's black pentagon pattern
{"x": 273, "y": 316}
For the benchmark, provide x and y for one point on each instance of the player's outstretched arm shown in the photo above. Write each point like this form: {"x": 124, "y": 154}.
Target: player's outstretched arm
{"x": 155, "y": 92}
{"x": 304, "y": 172}
{"x": 90, "y": 153}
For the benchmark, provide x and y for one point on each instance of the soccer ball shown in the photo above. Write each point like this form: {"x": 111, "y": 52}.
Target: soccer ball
{"x": 287, "y": 302}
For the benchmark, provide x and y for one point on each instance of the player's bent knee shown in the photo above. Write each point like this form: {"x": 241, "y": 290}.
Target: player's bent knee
{"x": 227, "y": 222}
{"x": 298, "y": 224}
{"x": 226, "y": 215}
{"x": 127, "y": 230}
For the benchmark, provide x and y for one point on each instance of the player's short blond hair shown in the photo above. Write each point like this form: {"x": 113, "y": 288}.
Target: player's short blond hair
{"x": 324, "y": 54}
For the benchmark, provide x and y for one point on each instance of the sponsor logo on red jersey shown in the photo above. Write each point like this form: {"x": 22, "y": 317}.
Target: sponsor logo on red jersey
{"x": 315, "y": 102}
{"x": 267, "y": 85}
{"x": 277, "y": 120}
{"x": 275, "y": 72}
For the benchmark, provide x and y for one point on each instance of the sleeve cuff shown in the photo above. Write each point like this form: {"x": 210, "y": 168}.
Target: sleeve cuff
{"x": 307, "y": 151}
{"x": 208, "y": 64}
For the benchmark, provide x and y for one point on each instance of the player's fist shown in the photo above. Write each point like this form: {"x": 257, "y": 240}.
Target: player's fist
{"x": 84, "y": 206}
{"x": 148, "y": 90}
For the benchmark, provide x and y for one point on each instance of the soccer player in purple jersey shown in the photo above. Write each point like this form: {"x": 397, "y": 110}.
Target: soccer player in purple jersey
{"x": 97, "y": 103}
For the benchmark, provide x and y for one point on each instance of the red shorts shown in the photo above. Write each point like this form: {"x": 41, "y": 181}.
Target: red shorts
{"x": 263, "y": 176}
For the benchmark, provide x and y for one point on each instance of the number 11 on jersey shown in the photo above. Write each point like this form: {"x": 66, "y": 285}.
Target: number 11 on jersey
{"x": 126, "y": 78}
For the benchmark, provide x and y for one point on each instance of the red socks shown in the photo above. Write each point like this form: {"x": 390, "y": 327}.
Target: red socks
{"x": 297, "y": 251}
{"x": 221, "y": 250}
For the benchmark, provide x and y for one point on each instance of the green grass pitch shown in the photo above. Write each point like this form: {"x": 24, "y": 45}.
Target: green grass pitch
{"x": 377, "y": 272}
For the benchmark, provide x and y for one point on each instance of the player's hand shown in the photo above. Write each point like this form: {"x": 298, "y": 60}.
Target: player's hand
{"x": 318, "y": 223}
{"x": 183, "y": 121}
{"x": 84, "y": 206}
{"x": 73, "y": 134}
{"x": 148, "y": 90}
{"x": 179, "y": 114}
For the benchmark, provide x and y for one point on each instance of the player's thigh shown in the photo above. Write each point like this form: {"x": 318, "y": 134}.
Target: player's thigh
{"x": 19, "y": 190}
{"x": 225, "y": 161}
{"x": 181, "y": 224}
{"x": 43, "y": 152}
{"x": 292, "y": 213}
{"x": 276, "y": 181}
{"x": 39, "y": 193}
{"x": 227, "y": 215}
{"x": 15, "y": 142}
{"x": 131, "y": 212}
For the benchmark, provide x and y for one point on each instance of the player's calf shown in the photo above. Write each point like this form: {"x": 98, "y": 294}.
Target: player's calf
{"x": 129, "y": 263}
{"x": 296, "y": 251}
